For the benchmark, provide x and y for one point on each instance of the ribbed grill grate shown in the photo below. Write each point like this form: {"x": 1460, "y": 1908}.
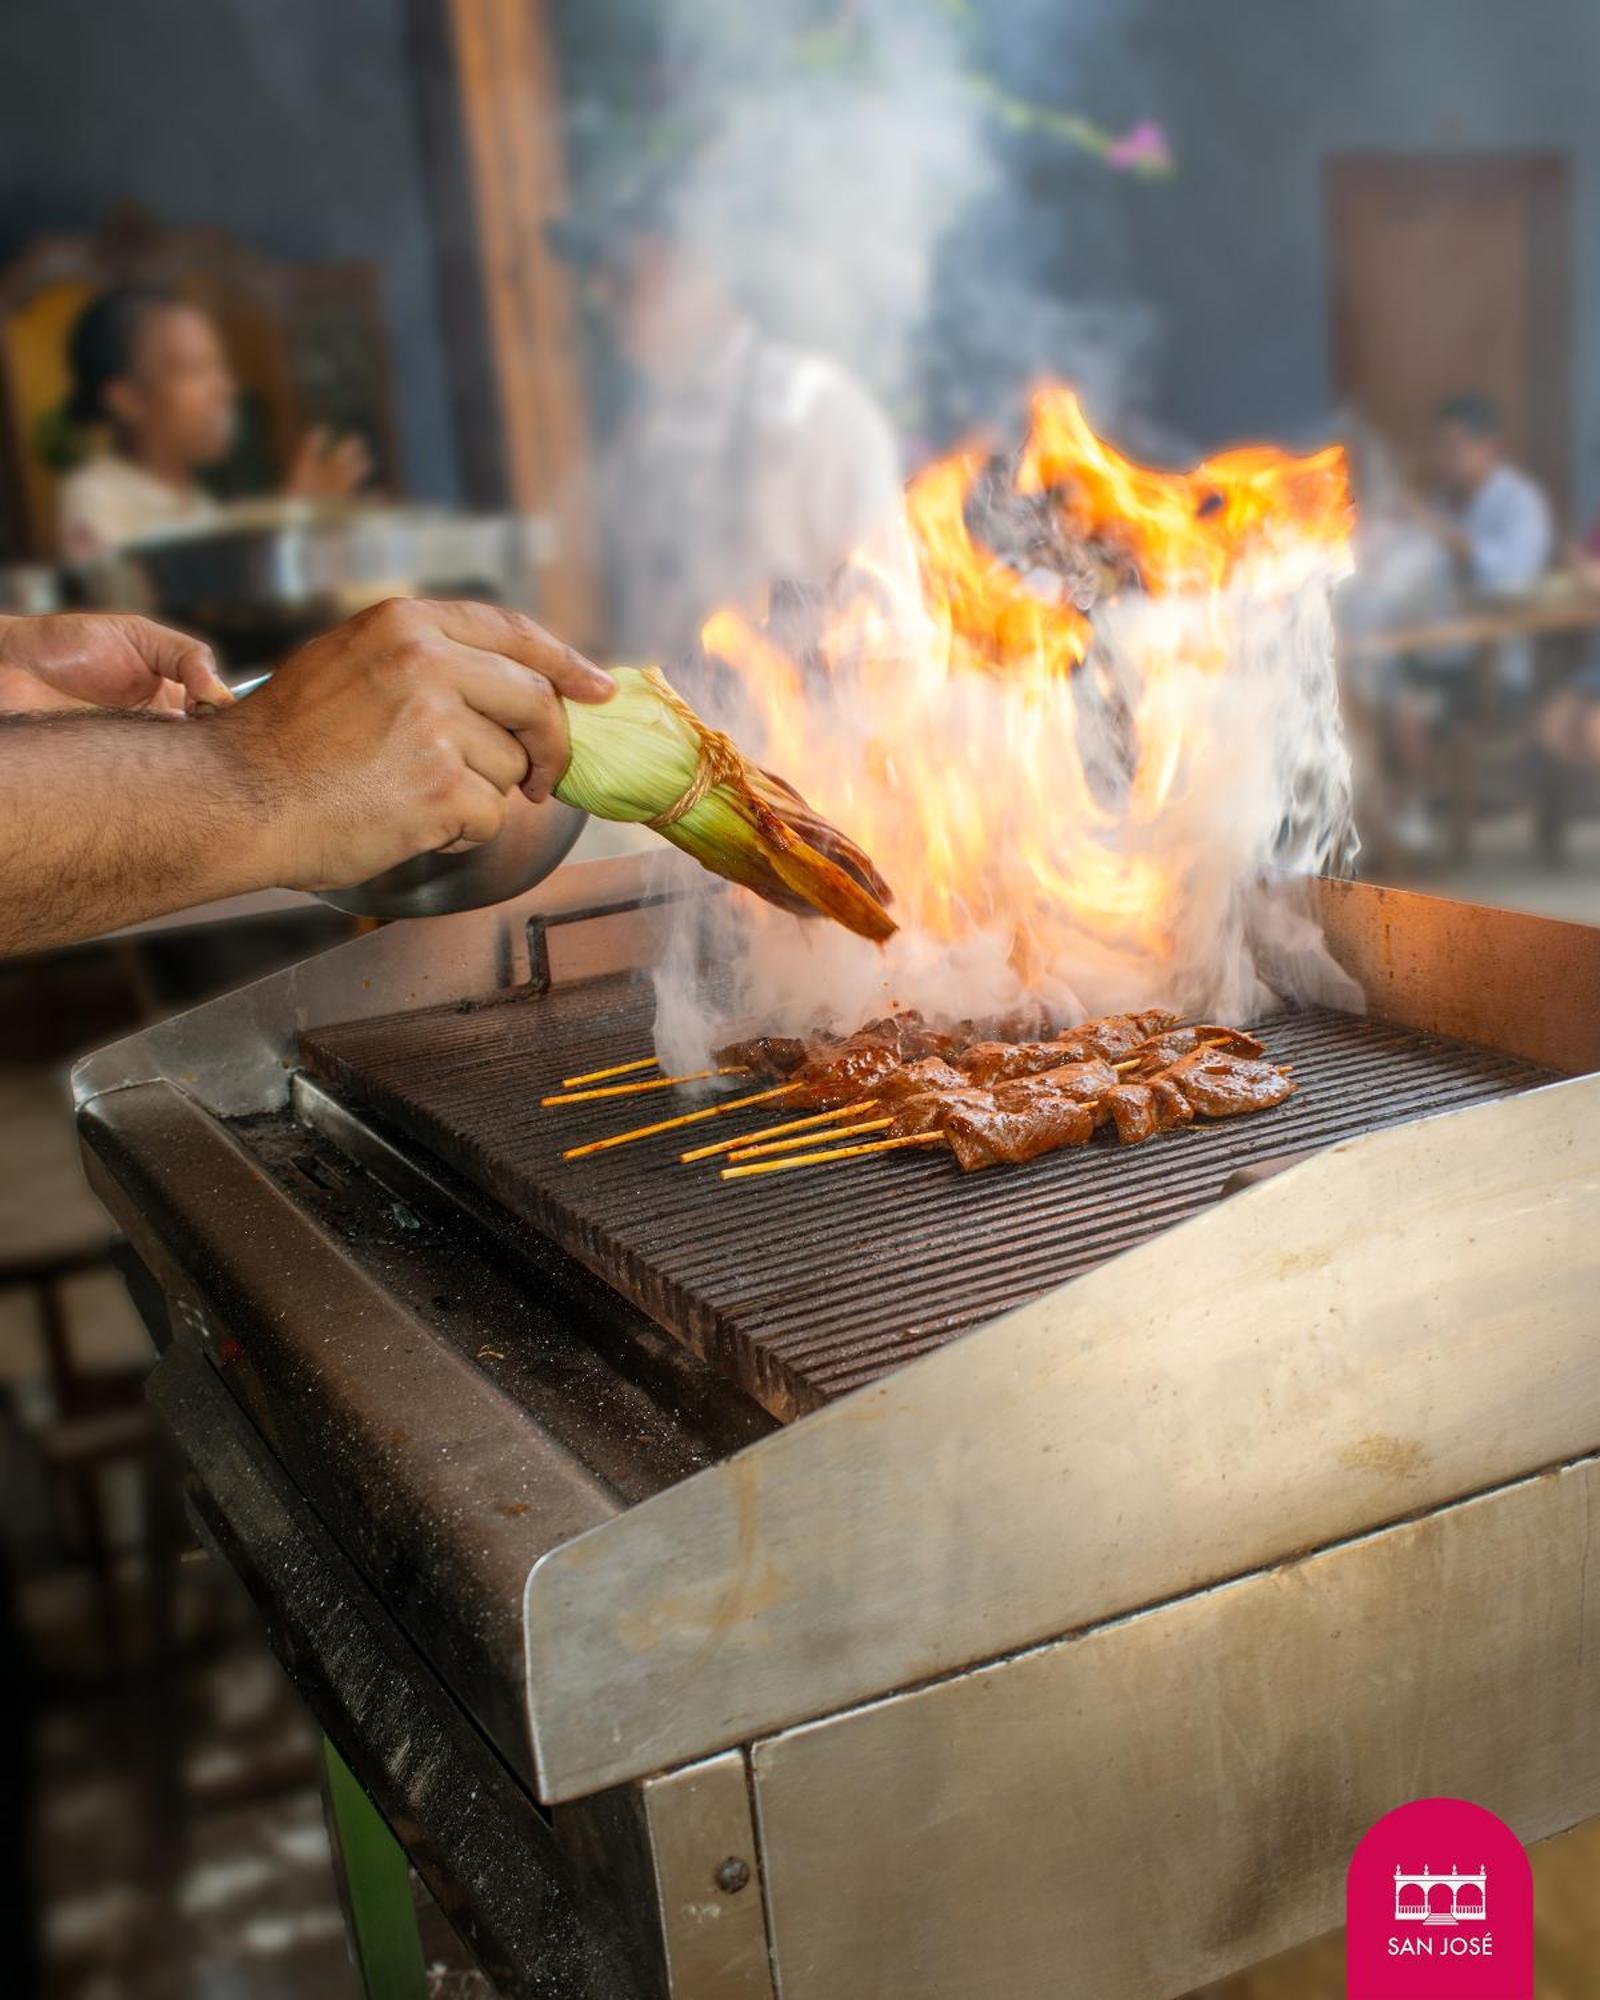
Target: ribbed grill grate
{"x": 806, "y": 1285}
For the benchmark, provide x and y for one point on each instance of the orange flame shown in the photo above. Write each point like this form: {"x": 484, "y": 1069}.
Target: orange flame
{"x": 956, "y": 720}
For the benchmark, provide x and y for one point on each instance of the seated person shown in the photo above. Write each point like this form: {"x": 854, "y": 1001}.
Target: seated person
{"x": 1569, "y": 722}
{"x": 150, "y": 370}
{"x": 1493, "y": 525}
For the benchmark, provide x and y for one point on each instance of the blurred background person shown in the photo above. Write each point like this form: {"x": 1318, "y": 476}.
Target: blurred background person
{"x": 738, "y": 464}
{"x": 1494, "y": 532}
{"x": 151, "y": 375}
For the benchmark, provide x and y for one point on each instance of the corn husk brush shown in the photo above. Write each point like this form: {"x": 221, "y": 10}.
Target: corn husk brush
{"x": 644, "y": 756}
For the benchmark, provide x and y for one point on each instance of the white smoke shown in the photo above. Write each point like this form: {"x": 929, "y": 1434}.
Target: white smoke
{"x": 1146, "y": 830}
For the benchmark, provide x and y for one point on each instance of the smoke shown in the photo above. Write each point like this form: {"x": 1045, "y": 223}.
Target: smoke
{"x": 1138, "y": 833}
{"x": 838, "y": 157}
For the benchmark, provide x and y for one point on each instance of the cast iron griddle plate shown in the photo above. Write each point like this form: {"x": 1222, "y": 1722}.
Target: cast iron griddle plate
{"x": 804, "y": 1285}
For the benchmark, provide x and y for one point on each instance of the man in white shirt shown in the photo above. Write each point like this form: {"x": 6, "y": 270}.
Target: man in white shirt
{"x": 740, "y": 463}
{"x": 1493, "y": 525}
{"x": 1494, "y": 520}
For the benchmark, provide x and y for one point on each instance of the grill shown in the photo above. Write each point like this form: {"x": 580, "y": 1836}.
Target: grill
{"x": 711, "y": 1623}
{"x": 805, "y": 1286}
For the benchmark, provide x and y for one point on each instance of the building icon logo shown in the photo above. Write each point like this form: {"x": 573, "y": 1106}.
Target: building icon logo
{"x": 1440, "y": 1898}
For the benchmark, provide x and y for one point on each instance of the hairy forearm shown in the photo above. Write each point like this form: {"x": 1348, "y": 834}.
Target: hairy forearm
{"x": 108, "y": 819}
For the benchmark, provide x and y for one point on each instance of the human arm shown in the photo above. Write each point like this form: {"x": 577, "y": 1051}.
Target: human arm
{"x": 326, "y": 467}
{"x": 399, "y": 733}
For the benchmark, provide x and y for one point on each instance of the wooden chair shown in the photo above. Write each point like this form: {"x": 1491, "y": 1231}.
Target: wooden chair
{"x": 306, "y": 341}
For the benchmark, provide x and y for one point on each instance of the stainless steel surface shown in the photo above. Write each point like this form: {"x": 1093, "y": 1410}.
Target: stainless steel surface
{"x": 1125, "y": 1475}
{"x": 1320, "y": 1354}
{"x": 236, "y": 1055}
{"x": 532, "y": 843}
{"x": 447, "y": 1492}
{"x": 488, "y": 1855}
{"x": 1157, "y": 1802}
{"x": 808, "y": 1286}
{"x": 317, "y": 558}
{"x": 708, "y": 1879}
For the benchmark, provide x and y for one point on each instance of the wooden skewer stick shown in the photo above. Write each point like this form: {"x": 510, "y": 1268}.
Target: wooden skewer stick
{"x": 605, "y": 1075}
{"x": 684, "y": 1118}
{"x": 639, "y": 1089}
{"x": 810, "y": 1139}
{"x": 827, "y": 1159}
{"x": 777, "y": 1131}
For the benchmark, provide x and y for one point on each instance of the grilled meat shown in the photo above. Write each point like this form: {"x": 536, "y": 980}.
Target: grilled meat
{"x": 1161, "y": 1051}
{"x": 916, "y": 1079}
{"x": 997, "y": 1062}
{"x": 991, "y": 1135}
{"x": 1083, "y": 1082}
{"x": 1114, "y": 1036}
{"x": 1140, "y": 1110}
{"x": 774, "y": 1056}
{"x": 1003, "y": 1102}
{"x": 1219, "y": 1085}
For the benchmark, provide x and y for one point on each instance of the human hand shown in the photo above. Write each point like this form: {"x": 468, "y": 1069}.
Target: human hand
{"x": 103, "y": 660}
{"x": 403, "y": 732}
{"x": 328, "y": 468}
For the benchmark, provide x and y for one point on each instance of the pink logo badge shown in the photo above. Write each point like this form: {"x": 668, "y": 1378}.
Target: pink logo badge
{"x": 1439, "y": 1905}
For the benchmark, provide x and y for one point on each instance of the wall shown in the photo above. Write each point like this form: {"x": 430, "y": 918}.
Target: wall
{"x": 1257, "y": 94}
{"x": 287, "y": 122}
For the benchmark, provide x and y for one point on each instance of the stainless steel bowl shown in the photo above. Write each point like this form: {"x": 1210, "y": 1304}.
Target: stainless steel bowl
{"x": 533, "y": 842}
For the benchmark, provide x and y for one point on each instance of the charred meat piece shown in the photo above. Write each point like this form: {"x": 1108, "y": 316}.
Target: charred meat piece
{"x": 999, "y": 1062}
{"x": 1084, "y": 1082}
{"x": 990, "y": 1136}
{"x": 931, "y": 1110}
{"x": 775, "y": 1056}
{"x": 909, "y": 1035}
{"x": 1116, "y": 1035}
{"x": 1219, "y": 1085}
{"x": 932, "y": 1073}
{"x": 1172, "y": 1107}
{"x": 1162, "y": 1050}
{"x": 1132, "y": 1109}
{"x": 840, "y": 1075}
{"x": 1141, "y": 1110}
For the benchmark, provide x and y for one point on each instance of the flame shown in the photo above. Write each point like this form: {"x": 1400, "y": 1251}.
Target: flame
{"x": 1037, "y": 748}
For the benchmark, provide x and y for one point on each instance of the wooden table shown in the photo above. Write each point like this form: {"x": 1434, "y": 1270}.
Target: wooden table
{"x": 1482, "y": 623}
{"x": 1558, "y": 616}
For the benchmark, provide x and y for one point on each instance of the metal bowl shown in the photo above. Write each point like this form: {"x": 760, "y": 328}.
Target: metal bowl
{"x": 532, "y": 843}
{"x": 534, "y": 840}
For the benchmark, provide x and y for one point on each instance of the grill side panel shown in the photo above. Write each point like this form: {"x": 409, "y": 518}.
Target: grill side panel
{"x": 804, "y": 1286}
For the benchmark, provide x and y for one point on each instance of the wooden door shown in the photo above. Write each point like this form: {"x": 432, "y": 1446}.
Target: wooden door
{"x": 1454, "y": 273}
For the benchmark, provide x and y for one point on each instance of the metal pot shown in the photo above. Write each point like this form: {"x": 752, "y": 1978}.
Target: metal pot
{"x": 532, "y": 843}
{"x": 278, "y": 565}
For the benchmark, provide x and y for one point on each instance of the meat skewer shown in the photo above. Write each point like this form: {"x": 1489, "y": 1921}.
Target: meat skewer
{"x": 605, "y": 1075}
{"x": 639, "y": 1089}
{"x": 894, "y": 1145}
{"x": 992, "y": 1102}
{"x": 672, "y": 1124}
{"x": 777, "y": 1131}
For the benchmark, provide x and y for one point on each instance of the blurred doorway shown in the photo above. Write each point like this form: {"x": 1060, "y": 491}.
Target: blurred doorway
{"x": 1452, "y": 273}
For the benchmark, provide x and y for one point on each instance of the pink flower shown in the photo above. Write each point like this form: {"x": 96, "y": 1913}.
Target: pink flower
{"x": 1141, "y": 149}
